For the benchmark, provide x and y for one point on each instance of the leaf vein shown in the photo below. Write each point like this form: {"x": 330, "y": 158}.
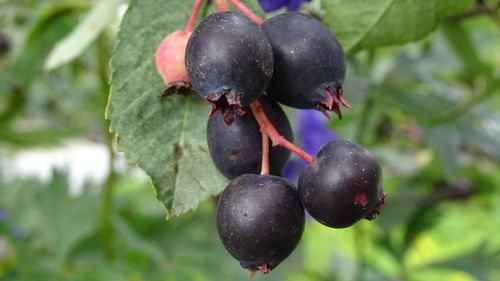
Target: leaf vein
{"x": 370, "y": 28}
{"x": 181, "y": 143}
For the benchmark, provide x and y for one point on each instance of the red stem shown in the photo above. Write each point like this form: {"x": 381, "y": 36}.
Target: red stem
{"x": 267, "y": 127}
{"x": 264, "y": 170}
{"x": 249, "y": 13}
{"x": 194, "y": 14}
{"x": 222, "y": 6}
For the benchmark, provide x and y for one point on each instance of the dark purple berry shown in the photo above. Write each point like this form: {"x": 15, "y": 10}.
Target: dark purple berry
{"x": 260, "y": 220}
{"x": 342, "y": 185}
{"x": 309, "y": 63}
{"x": 237, "y": 149}
{"x": 229, "y": 62}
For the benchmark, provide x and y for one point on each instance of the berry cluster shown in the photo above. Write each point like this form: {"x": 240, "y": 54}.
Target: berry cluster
{"x": 243, "y": 69}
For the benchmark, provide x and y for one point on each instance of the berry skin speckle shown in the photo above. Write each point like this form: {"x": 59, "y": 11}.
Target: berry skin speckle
{"x": 360, "y": 199}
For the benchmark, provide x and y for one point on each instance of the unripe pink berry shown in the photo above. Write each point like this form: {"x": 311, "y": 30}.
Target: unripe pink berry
{"x": 170, "y": 62}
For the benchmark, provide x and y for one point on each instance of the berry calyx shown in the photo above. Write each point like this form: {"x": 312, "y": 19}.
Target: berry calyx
{"x": 332, "y": 100}
{"x": 260, "y": 220}
{"x": 342, "y": 185}
{"x": 170, "y": 62}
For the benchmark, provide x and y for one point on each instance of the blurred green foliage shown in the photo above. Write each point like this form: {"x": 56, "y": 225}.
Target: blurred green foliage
{"x": 429, "y": 110}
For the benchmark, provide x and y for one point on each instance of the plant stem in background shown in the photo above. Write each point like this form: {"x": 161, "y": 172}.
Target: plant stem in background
{"x": 359, "y": 250}
{"x": 481, "y": 8}
{"x": 359, "y": 232}
{"x": 109, "y": 183}
{"x": 366, "y": 110}
{"x": 15, "y": 102}
{"x": 204, "y": 11}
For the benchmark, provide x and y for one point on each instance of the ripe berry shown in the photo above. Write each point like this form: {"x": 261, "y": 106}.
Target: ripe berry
{"x": 237, "y": 149}
{"x": 260, "y": 220}
{"x": 229, "y": 62}
{"x": 170, "y": 62}
{"x": 342, "y": 185}
{"x": 309, "y": 63}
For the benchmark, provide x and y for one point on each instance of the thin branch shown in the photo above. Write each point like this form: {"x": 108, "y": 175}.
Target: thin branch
{"x": 194, "y": 14}
{"x": 222, "y": 6}
{"x": 264, "y": 170}
{"x": 481, "y": 8}
{"x": 106, "y": 229}
{"x": 245, "y": 10}
{"x": 277, "y": 139}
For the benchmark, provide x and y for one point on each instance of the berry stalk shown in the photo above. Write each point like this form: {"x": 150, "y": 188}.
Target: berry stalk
{"x": 194, "y": 14}
{"x": 247, "y": 12}
{"x": 264, "y": 170}
{"x": 222, "y": 6}
{"x": 268, "y": 128}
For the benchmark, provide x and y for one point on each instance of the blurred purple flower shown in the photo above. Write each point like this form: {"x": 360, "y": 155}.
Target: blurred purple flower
{"x": 18, "y": 232}
{"x": 313, "y": 130}
{"x": 312, "y": 133}
{"x": 293, "y": 168}
{"x": 273, "y": 5}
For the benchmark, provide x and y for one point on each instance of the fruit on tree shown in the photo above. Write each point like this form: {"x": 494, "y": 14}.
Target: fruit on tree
{"x": 229, "y": 62}
{"x": 170, "y": 62}
{"x": 342, "y": 185}
{"x": 260, "y": 220}
{"x": 237, "y": 149}
{"x": 309, "y": 63}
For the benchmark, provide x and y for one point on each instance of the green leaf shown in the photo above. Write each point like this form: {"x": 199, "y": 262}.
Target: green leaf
{"x": 479, "y": 262}
{"x": 133, "y": 240}
{"x": 365, "y": 24}
{"x": 415, "y": 102}
{"x": 460, "y": 41}
{"x": 445, "y": 140}
{"x": 167, "y": 139}
{"x": 35, "y": 138}
{"x": 423, "y": 218}
{"x": 73, "y": 45}
{"x": 66, "y": 220}
{"x": 483, "y": 133}
{"x": 50, "y": 26}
